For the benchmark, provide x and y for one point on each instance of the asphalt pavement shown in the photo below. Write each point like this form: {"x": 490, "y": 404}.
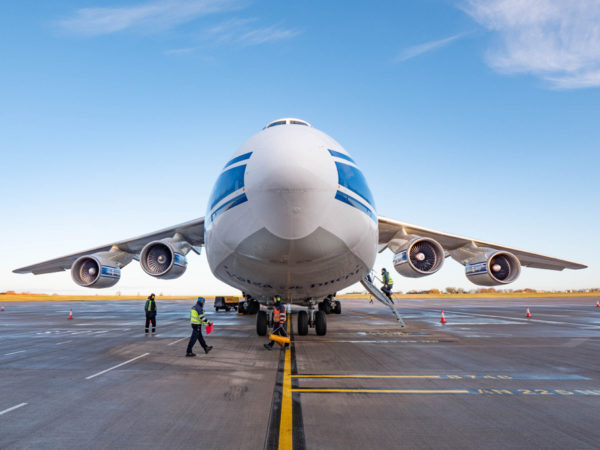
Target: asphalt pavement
{"x": 488, "y": 378}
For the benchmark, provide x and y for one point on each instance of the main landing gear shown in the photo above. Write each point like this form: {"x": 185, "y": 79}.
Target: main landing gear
{"x": 306, "y": 319}
{"x": 313, "y": 319}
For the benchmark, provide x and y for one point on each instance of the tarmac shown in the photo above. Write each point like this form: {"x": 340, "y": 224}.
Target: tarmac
{"x": 489, "y": 378}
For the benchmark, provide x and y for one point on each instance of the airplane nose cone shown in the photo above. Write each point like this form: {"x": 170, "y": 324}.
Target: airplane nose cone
{"x": 290, "y": 185}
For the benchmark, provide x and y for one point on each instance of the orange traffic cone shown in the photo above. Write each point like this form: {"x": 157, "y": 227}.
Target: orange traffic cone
{"x": 70, "y": 314}
{"x": 443, "y": 319}
{"x": 528, "y": 314}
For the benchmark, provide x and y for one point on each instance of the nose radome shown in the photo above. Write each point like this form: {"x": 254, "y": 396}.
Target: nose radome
{"x": 290, "y": 189}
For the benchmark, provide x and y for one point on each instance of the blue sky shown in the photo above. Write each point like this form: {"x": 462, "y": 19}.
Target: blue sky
{"x": 478, "y": 118}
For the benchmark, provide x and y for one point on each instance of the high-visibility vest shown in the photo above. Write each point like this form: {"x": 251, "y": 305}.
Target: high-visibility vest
{"x": 150, "y": 305}
{"x": 279, "y": 315}
{"x": 197, "y": 317}
{"x": 387, "y": 279}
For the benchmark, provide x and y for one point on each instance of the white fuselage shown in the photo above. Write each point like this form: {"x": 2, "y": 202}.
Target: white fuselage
{"x": 291, "y": 215}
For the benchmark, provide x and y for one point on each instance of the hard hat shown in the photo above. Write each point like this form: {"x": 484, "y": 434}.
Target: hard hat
{"x": 201, "y": 300}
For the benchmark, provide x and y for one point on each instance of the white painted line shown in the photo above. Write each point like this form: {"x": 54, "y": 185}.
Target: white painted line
{"x": 12, "y": 409}
{"x": 114, "y": 367}
{"x": 178, "y": 340}
{"x": 64, "y": 342}
{"x": 14, "y": 353}
{"x": 519, "y": 319}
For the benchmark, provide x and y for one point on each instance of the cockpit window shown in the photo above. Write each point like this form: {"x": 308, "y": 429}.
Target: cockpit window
{"x": 279, "y": 122}
{"x": 288, "y": 121}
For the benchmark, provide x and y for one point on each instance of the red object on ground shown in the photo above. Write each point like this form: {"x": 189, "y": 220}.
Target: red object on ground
{"x": 528, "y": 314}
{"x": 443, "y": 319}
{"x": 70, "y": 314}
{"x": 209, "y": 328}
{"x": 597, "y": 305}
{"x": 3, "y": 307}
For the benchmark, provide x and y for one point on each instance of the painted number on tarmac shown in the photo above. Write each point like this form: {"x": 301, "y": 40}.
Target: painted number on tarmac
{"x": 539, "y": 392}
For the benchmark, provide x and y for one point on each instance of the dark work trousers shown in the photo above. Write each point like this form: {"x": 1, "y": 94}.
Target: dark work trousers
{"x": 151, "y": 317}
{"x": 280, "y": 330}
{"x": 196, "y": 336}
{"x": 387, "y": 290}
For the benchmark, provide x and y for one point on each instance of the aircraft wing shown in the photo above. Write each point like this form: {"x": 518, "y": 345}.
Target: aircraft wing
{"x": 192, "y": 232}
{"x": 389, "y": 229}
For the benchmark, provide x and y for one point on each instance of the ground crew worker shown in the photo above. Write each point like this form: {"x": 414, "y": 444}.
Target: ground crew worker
{"x": 150, "y": 309}
{"x": 279, "y": 321}
{"x": 198, "y": 319}
{"x": 387, "y": 284}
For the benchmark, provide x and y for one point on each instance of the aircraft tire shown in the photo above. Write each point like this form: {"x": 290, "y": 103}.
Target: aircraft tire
{"x": 338, "y": 307}
{"x": 321, "y": 323}
{"x": 302, "y": 323}
{"x": 261, "y": 323}
{"x": 325, "y": 307}
{"x": 253, "y": 307}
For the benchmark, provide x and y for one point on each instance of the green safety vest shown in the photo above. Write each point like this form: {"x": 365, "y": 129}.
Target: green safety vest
{"x": 387, "y": 279}
{"x": 197, "y": 319}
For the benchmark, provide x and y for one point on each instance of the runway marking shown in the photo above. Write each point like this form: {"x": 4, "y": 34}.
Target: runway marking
{"x": 559, "y": 376}
{"x": 178, "y": 340}
{"x": 380, "y": 341}
{"x": 368, "y": 376}
{"x": 520, "y": 319}
{"x": 488, "y": 391}
{"x": 14, "y": 353}
{"x": 384, "y": 391}
{"x": 285, "y": 423}
{"x": 12, "y": 408}
{"x": 63, "y": 342}
{"x": 115, "y": 367}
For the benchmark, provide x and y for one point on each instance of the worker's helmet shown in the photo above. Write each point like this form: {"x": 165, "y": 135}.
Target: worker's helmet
{"x": 201, "y": 300}
{"x": 277, "y": 299}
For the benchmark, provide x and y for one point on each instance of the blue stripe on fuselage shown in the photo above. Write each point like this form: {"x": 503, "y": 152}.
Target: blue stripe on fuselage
{"x": 228, "y": 182}
{"x": 238, "y": 159}
{"x": 355, "y": 203}
{"x": 352, "y": 178}
{"x": 228, "y": 205}
{"x": 340, "y": 155}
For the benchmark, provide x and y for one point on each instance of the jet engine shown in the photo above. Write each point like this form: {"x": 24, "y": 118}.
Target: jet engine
{"x": 95, "y": 271}
{"x": 418, "y": 258}
{"x": 498, "y": 268}
{"x": 164, "y": 259}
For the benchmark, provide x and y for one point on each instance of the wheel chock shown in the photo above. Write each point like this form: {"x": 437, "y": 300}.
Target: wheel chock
{"x": 281, "y": 340}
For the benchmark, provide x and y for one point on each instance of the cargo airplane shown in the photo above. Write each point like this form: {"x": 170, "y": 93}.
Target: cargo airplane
{"x": 291, "y": 214}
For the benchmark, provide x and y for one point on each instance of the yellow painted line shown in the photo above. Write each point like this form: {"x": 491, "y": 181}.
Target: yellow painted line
{"x": 368, "y": 376}
{"x": 386, "y": 391}
{"x": 285, "y": 423}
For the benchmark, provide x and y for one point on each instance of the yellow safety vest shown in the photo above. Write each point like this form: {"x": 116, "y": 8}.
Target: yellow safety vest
{"x": 197, "y": 319}
{"x": 387, "y": 279}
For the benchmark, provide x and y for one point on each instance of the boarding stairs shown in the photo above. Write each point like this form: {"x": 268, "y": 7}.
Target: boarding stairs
{"x": 372, "y": 289}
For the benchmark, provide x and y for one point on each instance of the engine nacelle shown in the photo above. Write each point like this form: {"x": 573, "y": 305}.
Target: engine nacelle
{"x": 95, "y": 271}
{"x": 419, "y": 257}
{"x": 163, "y": 259}
{"x": 498, "y": 268}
